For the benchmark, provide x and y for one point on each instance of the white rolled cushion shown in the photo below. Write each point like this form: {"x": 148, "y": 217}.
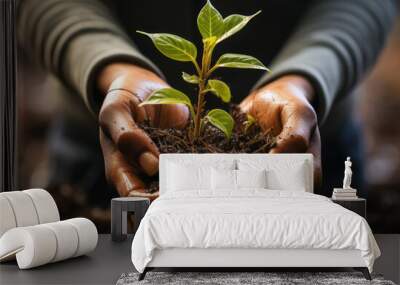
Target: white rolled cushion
{"x": 7, "y": 218}
{"x": 223, "y": 179}
{"x": 67, "y": 240}
{"x": 251, "y": 179}
{"x": 87, "y": 235}
{"x": 40, "y": 244}
{"x": 187, "y": 177}
{"x": 26, "y": 208}
{"x": 23, "y": 208}
{"x": 33, "y": 246}
{"x": 45, "y": 205}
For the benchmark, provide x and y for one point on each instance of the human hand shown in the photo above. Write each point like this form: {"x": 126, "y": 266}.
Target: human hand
{"x": 284, "y": 107}
{"x": 128, "y": 151}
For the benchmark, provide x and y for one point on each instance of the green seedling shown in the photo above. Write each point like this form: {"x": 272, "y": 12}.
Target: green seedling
{"x": 213, "y": 29}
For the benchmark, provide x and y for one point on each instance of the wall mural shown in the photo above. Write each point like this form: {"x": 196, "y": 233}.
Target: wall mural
{"x": 94, "y": 109}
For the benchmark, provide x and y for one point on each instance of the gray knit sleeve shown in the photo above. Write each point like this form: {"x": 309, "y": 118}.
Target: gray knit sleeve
{"x": 335, "y": 44}
{"x": 74, "y": 39}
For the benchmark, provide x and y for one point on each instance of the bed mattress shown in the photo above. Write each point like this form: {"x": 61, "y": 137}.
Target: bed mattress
{"x": 250, "y": 219}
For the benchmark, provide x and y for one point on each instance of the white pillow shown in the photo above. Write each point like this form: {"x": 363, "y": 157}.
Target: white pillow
{"x": 281, "y": 174}
{"x": 293, "y": 180}
{"x": 188, "y": 177}
{"x": 251, "y": 178}
{"x": 223, "y": 179}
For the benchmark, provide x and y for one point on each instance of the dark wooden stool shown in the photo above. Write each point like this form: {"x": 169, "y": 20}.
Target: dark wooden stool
{"x": 119, "y": 213}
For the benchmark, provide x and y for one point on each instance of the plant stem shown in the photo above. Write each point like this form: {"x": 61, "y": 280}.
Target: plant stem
{"x": 203, "y": 76}
{"x": 200, "y": 100}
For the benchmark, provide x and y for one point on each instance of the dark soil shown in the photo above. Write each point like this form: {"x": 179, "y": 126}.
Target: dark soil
{"x": 212, "y": 140}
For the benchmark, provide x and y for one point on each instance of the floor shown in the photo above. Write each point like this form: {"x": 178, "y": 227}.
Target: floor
{"x": 389, "y": 262}
{"x": 110, "y": 260}
{"x": 103, "y": 266}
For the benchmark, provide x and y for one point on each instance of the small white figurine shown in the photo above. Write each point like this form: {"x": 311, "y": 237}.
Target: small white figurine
{"x": 347, "y": 174}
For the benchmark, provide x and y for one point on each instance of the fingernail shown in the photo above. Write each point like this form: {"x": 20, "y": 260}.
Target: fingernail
{"x": 149, "y": 163}
{"x": 126, "y": 182}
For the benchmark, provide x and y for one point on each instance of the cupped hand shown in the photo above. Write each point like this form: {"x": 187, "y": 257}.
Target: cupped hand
{"x": 284, "y": 107}
{"x": 128, "y": 151}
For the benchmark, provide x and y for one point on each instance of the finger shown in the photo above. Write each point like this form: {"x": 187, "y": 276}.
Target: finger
{"x": 173, "y": 116}
{"x": 260, "y": 106}
{"x": 143, "y": 89}
{"x": 117, "y": 121}
{"x": 298, "y": 124}
{"x": 118, "y": 172}
{"x": 247, "y": 103}
{"x": 315, "y": 150}
{"x": 151, "y": 196}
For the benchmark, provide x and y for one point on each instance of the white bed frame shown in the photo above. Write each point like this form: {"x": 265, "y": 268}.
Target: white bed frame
{"x": 234, "y": 257}
{"x": 251, "y": 258}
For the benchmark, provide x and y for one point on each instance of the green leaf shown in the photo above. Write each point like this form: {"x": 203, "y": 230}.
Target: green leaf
{"x": 173, "y": 46}
{"x": 221, "y": 120}
{"x": 168, "y": 96}
{"x": 234, "y": 23}
{"x": 239, "y": 61}
{"x": 249, "y": 122}
{"x": 194, "y": 79}
{"x": 210, "y": 22}
{"x": 219, "y": 88}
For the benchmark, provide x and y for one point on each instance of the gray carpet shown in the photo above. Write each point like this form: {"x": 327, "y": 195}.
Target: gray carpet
{"x": 242, "y": 278}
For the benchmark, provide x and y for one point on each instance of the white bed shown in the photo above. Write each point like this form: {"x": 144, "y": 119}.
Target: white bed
{"x": 281, "y": 225}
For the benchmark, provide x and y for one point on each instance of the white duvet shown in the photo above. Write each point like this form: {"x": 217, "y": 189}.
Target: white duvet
{"x": 250, "y": 219}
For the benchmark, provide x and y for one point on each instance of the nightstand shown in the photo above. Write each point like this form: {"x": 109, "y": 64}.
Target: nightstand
{"x": 119, "y": 211}
{"x": 357, "y": 205}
